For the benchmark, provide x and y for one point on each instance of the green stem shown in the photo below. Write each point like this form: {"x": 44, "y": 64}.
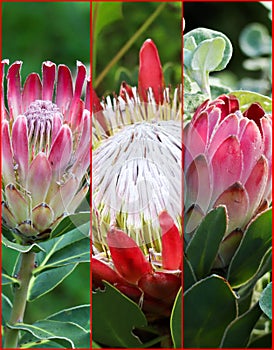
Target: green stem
{"x": 129, "y": 43}
{"x": 20, "y": 298}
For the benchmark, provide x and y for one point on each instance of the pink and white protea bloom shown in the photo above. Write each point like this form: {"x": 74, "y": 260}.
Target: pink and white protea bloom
{"x": 152, "y": 280}
{"x": 45, "y": 148}
{"x": 136, "y": 160}
{"x": 228, "y": 161}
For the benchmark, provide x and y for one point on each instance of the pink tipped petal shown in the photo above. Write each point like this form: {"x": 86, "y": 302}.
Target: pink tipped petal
{"x": 48, "y": 73}
{"x": 39, "y": 178}
{"x": 42, "y": 217}
{"x": 32, "y": 91}
{"x": 229, "y": 104}
{"x": 56, "y": 126}
{"x": 160, "y": 285}
{"x": 64, "y": 91}
{"x": 20, "y": 147}
{"x": 76, "y": 114}
{"x": 267, "y": 139}
{"x": 61, "y": 151}
{"x": 150, "y": 72}
{"x": 255, "y": 185}
{"x": 63, "y": 197}
{"x": 193, "y": 217}
{"x": 85, "y": 134}
{"x": 226, "y": 165}
{"x": 235, "y": 198}
{"x": 17, "y": 203}
{"x": 172, "y": 245}
{"x": 228, "y": 127}
{"x": 87, "y": 97}
{"x": 78, "y": 199}
{"x": 102, "y": 272}
{"x": 7, "y": 216}
{"x": 255, "y": 112}
{"x": 198, "y": 183}
{"x": 14, "y": 90}
{"x": 7, "y": 157}
{"x": 127, "y": 257}
{"x": 81, "y": 75}
{"x": 251, "y": 145}
{"x": 126, "y": 91}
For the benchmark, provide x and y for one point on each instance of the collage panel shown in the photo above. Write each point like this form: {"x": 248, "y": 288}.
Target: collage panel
{"x": 45, "y": 143}
{"x": 227, "y": 290}
{"x": 136, "y": 174}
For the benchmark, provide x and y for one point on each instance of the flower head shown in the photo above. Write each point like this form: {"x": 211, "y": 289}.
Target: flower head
{"x": 45, "y": 148}
{"x": 153, "y": 280}
{"x": 137, "y": 156}
{"x": 228, "y": 161}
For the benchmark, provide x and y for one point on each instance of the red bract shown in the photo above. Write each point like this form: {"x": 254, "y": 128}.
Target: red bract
{"x": 228, "y": 161}
{"x": 137, "y": 275}
{"x": 45, "y": 148}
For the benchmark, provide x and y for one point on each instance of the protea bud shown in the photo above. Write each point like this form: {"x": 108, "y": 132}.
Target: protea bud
{"x": 45, "y": 149}
{"x": 137, "y": 175}
{"x": 228, "y": 162}
{"x": 137, "y": 157}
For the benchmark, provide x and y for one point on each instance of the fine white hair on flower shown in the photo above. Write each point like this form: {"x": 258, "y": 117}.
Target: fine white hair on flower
{"x": 137, "y": 166}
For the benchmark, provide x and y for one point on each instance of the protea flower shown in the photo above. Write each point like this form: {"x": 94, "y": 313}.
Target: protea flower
{"x": 228, "y": 162}
{"x": 153, "y": 280}
{"x": 45, "y": 148}
{"x": 137, "y": 156}
{"x": 137, "y": 175}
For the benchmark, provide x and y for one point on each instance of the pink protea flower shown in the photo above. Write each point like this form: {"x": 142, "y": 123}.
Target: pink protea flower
{"x": 137, "y": 156}
{"x": 45, "y": 148}
{"x": 228, "y": 161}
{"x": 152, "y": 280}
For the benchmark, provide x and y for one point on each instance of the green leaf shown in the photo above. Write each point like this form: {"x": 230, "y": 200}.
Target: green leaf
{"x": 80, "y": 221}
{"x": 71, "y": 248}
{"x": 204, "y": 245}
{"x": 6, "y": 279}
{"x": 176, "y": 321}
{"x": 199, "y": 35}
{"x": 47, "y": 281}
{"x": 114, "y": 318}
{"x": 104, "y": 13}
{"x": 35, "y": 247}
{"x": 209, "y": 307}
{"x": 95, "y": 345}
{"x": 266, "y": 300}
{"x": 189, "y": 276}
{"x": 256, "y": 243}
{"x": 263, "y": 342}
{"x": 67, "y": 334}
{"x": 6, "y": 309}
{"x": 79, "y": 315}
{"x": 246, "y": 98}
{"x": 238, "y": 332}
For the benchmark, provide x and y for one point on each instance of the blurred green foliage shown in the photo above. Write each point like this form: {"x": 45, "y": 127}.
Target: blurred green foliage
{"x": 34, "y": 32}
{"x": 165, "y": 31}
{"x": 234, "y": 19}
{"x": 37, "y": 31}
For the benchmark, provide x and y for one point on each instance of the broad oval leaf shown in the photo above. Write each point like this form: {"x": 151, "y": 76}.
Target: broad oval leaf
{"x": 238, "y": 332}
{"x": 209, "y": 307}
{"x": 79, "y": 315}
{"x": 203, "y": 247}
{"x": 176, "y": 321}
{"x": 256, "y": 243}
{"x": 6, "y": 309}
{"x": 114, "y": 316}
{"x": 80, "y": 221}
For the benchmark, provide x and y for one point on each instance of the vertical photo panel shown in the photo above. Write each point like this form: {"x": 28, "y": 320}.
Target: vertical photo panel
{"x": 137, "y": 244}
{"x": 45, "y": 143}
{"x": 227, "y": 136}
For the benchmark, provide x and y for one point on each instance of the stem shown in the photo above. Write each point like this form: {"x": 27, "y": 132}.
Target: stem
{"x": 20, "y": 298}
{"x": 129, "y": 43}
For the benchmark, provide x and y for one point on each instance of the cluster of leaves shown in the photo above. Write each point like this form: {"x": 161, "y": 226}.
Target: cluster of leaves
{"x": 56, "y": 259}
{"x": 225, "y": 296}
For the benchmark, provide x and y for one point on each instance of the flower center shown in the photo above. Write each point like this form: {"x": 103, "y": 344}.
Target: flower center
{"x": 44, "y": 121}
{"x": 136, "y": 175}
